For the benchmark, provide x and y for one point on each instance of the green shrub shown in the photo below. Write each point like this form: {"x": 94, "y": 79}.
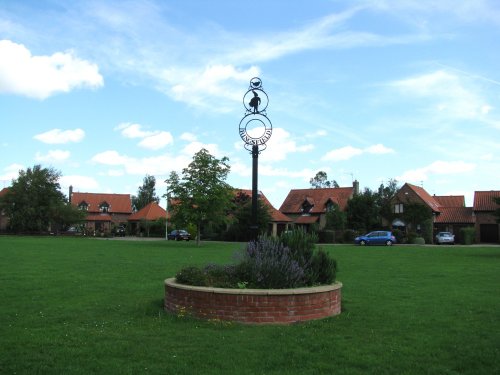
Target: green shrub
{"x": 300, "y": 243}
{"x": 191, "y": 275}
{"x": 468, "y": 235}
{"x": 324, "y": 268}
{"x": 418, "y": 240}
{"x": 411, "y": 237}
{"x": 268, "y": 263}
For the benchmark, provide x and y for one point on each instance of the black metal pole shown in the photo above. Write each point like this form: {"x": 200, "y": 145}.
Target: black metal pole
{"x": 255, "y": 166}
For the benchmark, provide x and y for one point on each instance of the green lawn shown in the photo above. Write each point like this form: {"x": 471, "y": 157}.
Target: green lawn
{"x": 82, "y": 306}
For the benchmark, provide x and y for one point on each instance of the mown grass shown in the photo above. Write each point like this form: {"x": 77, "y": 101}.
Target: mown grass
{"x": 81, "y": 306}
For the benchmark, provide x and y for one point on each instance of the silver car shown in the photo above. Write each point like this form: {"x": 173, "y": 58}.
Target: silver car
{"x": 445, "y": 237}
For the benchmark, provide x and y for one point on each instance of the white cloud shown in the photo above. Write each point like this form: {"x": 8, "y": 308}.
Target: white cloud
{"x": 158, "y": 165}
{"x": 211, "y": 87}
{"x": 53, "y": 156}
{"x": 42, "y": 76}
{"x": 280, "y": 145}
{"x": 344, "y": 153}
{"x": 348, "y": 152}
{"x": 190, "y": 137}
{"x": 110, "y": 158}
{"x": 153, "y": 140}
{"x": 11, "y": 172}
{"x": 79, "y": 183}
{"x": 157, "y": 141}
{"x": 451, "y": 95}
{"x": 437, "y": 168}
{"x": 193, "y": 147}
{"x": 378, "y": 149}
{"x": 58, "y": 136}
{"x": 130, "y": 130}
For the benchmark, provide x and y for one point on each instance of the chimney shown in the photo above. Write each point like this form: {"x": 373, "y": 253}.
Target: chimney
{"x": 355, "y": 185}
{"x": 70, "y": 192}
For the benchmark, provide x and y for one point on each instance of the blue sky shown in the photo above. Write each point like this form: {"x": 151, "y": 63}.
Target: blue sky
{"x": 107, "y": 92}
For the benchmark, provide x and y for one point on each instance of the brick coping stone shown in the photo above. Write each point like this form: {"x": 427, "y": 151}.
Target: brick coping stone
{"x": 254, "y": 306}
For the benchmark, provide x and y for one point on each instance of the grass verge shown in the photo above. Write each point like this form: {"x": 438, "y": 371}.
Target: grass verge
{"x": 80, "y": 306}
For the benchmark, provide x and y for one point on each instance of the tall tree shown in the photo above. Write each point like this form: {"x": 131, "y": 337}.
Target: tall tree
{"x": 335, "y": 219}
{"x": 240, "y": 228}
{"x": 320, "y": 181}
{"x": 34, "y": 202}
{"x": 362, "y": 211}
{"x": 384, "y": 198}
{"x": 146, "y": 193}
{"x": 201, "y": 194}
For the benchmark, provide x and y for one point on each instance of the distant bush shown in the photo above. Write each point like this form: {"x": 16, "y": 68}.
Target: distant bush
{"x": 349, "y": 235}
{"x": 410, "y": 238}
{"x": 289, "y": 261}
{"x": 468, "y": 235}
{"x": 418, "y": 241}
{"x": 326, "y": 236}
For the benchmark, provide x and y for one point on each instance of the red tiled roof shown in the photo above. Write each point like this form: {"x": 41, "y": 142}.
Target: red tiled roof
{"x": 3, "y": 191}
{"x": 483, "y": 200}
{"x": 458, "y": 215}
{"x": 319, "y": 197}
{"x": 276, "y": 215}
{"x": 306, "y": 219}
{"x": 118, "y": 203}
{"x": 450, "y": 200}
{"x": 428, "y": 199}
{"x": 152, "y": 211}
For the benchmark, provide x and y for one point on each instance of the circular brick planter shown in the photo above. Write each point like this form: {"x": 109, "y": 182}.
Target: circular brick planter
{"x": 260, "y": 306}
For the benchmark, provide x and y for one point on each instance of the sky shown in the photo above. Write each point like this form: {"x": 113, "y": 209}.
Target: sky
{"x": 108, "y": 92}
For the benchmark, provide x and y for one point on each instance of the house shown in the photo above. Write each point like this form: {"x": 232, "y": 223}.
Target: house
{"x": 487, "y": 227}
{"x": 4, "y": 220}
{"x": 279, "y": 221}
{"x": 308, "y": 207}
{"x": 447, "y": 212}
{"x": 104, "y": 211}
{"x": 149, "y": 213}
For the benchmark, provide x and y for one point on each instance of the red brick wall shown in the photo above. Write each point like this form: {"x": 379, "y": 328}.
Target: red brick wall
{"x": 261, "y": 306}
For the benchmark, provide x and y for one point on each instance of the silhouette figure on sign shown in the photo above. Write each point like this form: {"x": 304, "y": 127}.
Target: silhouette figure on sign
{"x": 255, "y": 102}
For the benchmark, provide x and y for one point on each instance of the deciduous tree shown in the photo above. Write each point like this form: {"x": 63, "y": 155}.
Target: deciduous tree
{"x": 201, "y": 194}
{"x": 241, "y": 213}
{"x": 34, "y": 202}
{"x": 320, "y": 181}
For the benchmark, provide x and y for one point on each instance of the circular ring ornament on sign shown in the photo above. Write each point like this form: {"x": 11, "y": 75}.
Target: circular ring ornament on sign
{"x": 255, "y": 129}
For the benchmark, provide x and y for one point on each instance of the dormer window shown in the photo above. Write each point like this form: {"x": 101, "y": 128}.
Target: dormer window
{"x": 307, "y": 206}
{"x": 331, "y": 206}
{"x": 104, "y": 207}
{"x": 83, "y": 206}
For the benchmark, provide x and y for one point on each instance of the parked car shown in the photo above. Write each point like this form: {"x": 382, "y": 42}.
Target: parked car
{"x": 381, "y": 237}
{"x": 179, "y": 235}
{"x": 120, "y": 231}
{"x": 445, "y": 237}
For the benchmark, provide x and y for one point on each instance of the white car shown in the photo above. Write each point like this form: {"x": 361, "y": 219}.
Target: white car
{"x": 445, "y": 237}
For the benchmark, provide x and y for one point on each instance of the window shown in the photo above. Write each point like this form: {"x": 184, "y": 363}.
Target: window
{"x": 330, "y": 206}
{"x": 83, "y": 206}
{"x": 398, "y": 208}
{"x": 306, "y": 207}
{"x": 104, "y": 207}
